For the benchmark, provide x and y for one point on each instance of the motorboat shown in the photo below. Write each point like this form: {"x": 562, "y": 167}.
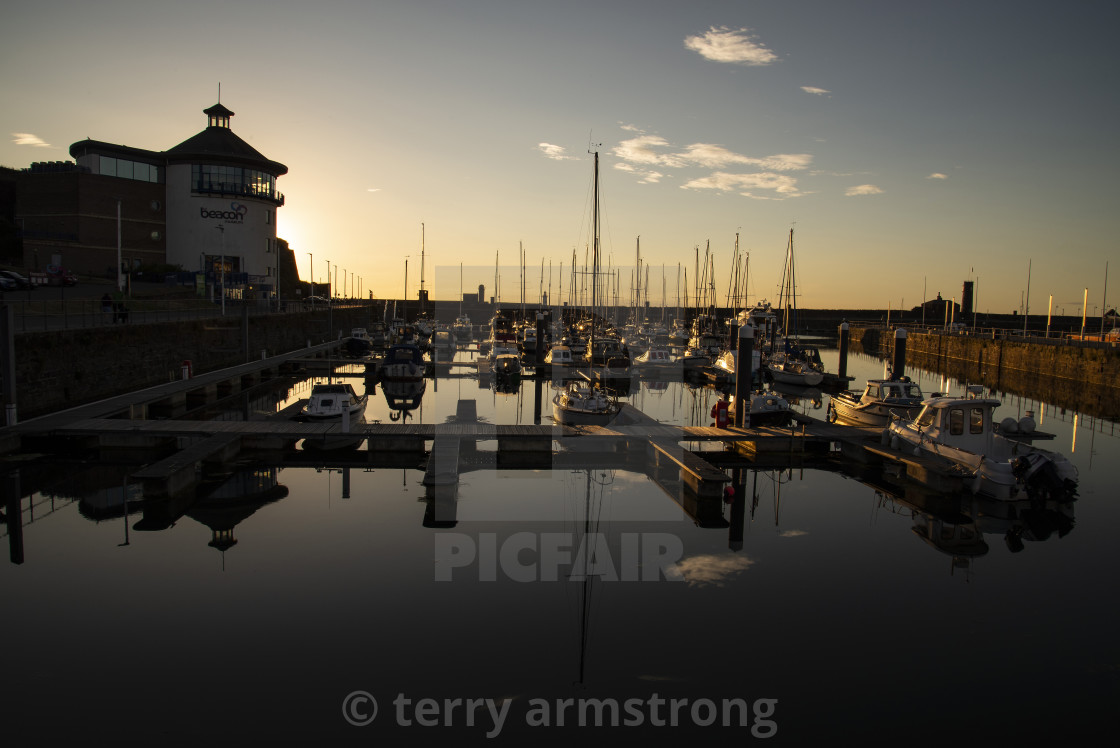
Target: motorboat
{"x": 767, "y": 409}
{"x": 875, "y": 404}
{"x": 580, "y": 403}
{"x": 656, "y": 361}
{"x": 788, "y": 369}
{"x": 462, "y": 329}
{"x": 334, "y": 403}
{"x": 443, "y": 345}
{"x": 404, "y": 362}
{"x": 559, "y": 355}
{"x": 507, "y": 366}
{"x": 960, "y": 431}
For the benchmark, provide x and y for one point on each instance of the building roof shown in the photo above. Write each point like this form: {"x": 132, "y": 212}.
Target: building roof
{"x": 221, "y": 144}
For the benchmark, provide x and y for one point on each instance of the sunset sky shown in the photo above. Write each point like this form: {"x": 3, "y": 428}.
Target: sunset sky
{"x": 910, "y": 146}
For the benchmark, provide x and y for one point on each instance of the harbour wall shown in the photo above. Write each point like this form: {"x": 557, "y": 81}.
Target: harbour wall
{"x": 1082, "y": 378}
{"x": 65, "y": 368}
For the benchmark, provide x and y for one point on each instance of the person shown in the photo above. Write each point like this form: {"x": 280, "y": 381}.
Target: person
{"x": 719, "y": 411}
{"x": 107, "y": 305}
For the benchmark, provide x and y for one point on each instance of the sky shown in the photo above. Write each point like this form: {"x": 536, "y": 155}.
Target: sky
{"x": 908, "y": 146}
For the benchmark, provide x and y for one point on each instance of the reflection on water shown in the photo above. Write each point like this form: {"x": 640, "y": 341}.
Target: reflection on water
{"x": 850, "y": 594}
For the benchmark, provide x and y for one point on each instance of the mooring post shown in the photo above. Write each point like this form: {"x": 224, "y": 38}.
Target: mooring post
{"x": 538, "y": 353}
{"x": 899, "y": 366}
{"x": 8, "y": 363}
{"x": 537, "y": 397}
{"x": 744, "y": 374}
{"x": 844, "y": 336}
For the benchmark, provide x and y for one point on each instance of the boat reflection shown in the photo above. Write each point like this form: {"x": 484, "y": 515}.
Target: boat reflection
{"x": 403, "y": 398}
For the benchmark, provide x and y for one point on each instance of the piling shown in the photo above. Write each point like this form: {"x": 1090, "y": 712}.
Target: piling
{"x": 844, "y": 337}
{"x": 898, "y": 368}
{"x": 744, "y": 373}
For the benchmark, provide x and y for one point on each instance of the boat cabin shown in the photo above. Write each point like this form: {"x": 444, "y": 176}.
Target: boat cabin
{"x": 890, "y": 391}
{"x": 964, "y": 423}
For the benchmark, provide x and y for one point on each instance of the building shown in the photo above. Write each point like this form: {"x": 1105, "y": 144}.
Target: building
{"x": 207, "y": 204}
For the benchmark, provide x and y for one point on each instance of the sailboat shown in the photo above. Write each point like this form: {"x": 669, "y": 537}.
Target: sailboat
{"x": 583, "y": 402}
{"x": 791, "y": 365}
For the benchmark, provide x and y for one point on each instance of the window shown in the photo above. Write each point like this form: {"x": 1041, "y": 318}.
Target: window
{"x": 956, "y": 421}
{"x": 925, "y": 418}
{"x": 976, "y": 421}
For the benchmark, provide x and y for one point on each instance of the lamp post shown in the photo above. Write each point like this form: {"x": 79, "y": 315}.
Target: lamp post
{"x": 311, "y": 275}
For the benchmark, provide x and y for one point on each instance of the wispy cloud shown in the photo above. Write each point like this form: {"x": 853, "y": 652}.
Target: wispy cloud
{"x": 712, "y": 569}
{"x": 645, "y": 176}
{"x": 815, "y": 90}
{"x": 937, "y": 175}
{"x": 374, "y": 189}
{"x": 723, "y": 44}
{"x": 555, "y": 152}
{"x": 26, "y": 138}
{"x": 747, "y": 185}
{"x": 862, "y": 189}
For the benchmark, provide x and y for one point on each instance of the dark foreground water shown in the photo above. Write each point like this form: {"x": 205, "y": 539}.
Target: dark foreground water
{"x": 284, "y": 601}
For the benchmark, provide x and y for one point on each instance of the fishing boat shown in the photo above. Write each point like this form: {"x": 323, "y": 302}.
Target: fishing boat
{"x": 875, "y": 404}
{"x": 960, "y": 433}
{"x": 582, "y": 402}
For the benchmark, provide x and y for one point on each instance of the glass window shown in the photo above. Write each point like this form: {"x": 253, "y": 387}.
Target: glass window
{"x": 124, "y": 168}
{"x": 976, "y": 421}
{"x": 925, "y": 418}
{"x": 108, "y": 166}
{"x": 956, "y": 421}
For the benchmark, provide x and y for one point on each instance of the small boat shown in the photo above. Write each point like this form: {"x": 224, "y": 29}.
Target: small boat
{"x": 789, "y": 370}
{"x": 359, "y": 343}
{"x": 656, "y": 361}
{"x": 960, "y": 431}
{"x": 443, "y": 346}
{"x": 559, "y": 355}
{"x": 767, "y": 409}
{"x": 581, "y": 403}
{"x": 462, "y": 329}
{"x": 404, "y": 362}
{"x": 874, "y": 406}
{"x": 507, "y": 366}
{"x": 334, "y": 403}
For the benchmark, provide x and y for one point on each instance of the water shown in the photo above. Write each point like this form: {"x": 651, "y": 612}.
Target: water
{"x": 833, "y": 606}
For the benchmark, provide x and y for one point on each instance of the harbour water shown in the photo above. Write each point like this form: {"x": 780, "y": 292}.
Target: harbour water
{"x": 290, "y": 596}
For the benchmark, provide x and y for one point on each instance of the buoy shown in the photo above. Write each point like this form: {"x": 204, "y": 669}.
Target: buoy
{"x": 1026, "y": 424}
{"x": 1009, "y": 425}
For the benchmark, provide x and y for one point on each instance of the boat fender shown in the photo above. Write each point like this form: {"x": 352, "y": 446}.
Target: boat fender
{"x": 1009, "y": 425}
{"x": 894, "y": 442}
{"x": 1026, "y": 424}
{"x": 885, "y": 438}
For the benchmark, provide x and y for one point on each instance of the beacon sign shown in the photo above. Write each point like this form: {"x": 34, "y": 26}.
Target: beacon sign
{"x": 235, "y": 214}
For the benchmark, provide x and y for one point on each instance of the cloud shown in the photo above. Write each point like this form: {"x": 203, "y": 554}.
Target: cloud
{"x": 555, "y": 152}
{"x": 862, "y": 189}
{"x": 723, "y": 44}
{"x": 647, "y": 176}
{"x": 815, "y": 90}
{"x": 937, "y": 175}
{"x": 643, "y": 150}
{"x": 26, "y": 138}
{"x": 711, "y": 569}
{"x": 782, "y": 185}
{"x": 374, "y": 189}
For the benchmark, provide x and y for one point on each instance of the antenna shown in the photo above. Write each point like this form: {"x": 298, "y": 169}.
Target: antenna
{"x": 219, "y": 92}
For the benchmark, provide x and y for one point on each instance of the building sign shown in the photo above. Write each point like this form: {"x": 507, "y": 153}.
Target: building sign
{"x": 235, "y": 214}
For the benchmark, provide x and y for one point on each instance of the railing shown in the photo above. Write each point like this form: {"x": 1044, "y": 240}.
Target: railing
{"x": 1042, "y": 337}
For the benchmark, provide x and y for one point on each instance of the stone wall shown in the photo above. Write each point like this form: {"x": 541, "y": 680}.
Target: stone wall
{"x": 66, "y": 368}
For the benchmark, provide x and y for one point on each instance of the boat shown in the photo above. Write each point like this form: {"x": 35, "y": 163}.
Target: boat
{"x": 403, "y": 398}
{"x": 462, "y": 329}
{"x": 582, "y": 402}
{"x": 960, "y": 432}
{"x": 559, "y": 355}
{"x": 767, "y": 409}
{"x": 785, "y": 368}
{"x": 507, "y": 366}
{"x": 334, "y": 402}
{"x": 404, "y": 362}
{"x": 359, "y": 343}
{"x": 875, "y": 404}
{"x": 443, "y": 345}
{"x": 656, "y": 361}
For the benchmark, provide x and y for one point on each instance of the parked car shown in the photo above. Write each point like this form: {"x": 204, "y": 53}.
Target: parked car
{"x": 7, "y": 284}
{"x": 20, "y": 281}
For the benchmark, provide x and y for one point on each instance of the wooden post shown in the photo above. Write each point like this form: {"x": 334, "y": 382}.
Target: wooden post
{"x": 744, "y": 374}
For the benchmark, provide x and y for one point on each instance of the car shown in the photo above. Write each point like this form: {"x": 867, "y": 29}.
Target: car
{"x": 7, "y": 284}
{"x": 315, "y": 300}
{"x": 19, "y": 281}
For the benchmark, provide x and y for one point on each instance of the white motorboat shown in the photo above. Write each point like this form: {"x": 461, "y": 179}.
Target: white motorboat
{"x": 559, "y": 355}
{"x": 404, "y": 362}
{"x": 960, "y": 431}
{"x": 875, "y": 404}
{"x": 334, "y": 403}
{"x": 767, "y": 409}
{"x": 580, "y": 403}
{"x": 657, "y": 361}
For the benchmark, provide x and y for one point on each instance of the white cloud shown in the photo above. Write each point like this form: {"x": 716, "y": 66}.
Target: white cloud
{"x": 815, "y": 90}
{"x": 555, "y": 152}
{"x": 642, "y": 150}
{"x": 647, "y": 176}
{"x": 374, "y": 189}
{"x": 712, "y": 569}
{"x": 723, "y": 44}
{"x": 781, "y": 185}
{"x": 26, "y": 138}
{"x": 862, "y": 189}
{"x": 937, "y": 175}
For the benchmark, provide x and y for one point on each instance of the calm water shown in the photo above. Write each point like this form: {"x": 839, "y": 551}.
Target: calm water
{"x": 832, "y": 603}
